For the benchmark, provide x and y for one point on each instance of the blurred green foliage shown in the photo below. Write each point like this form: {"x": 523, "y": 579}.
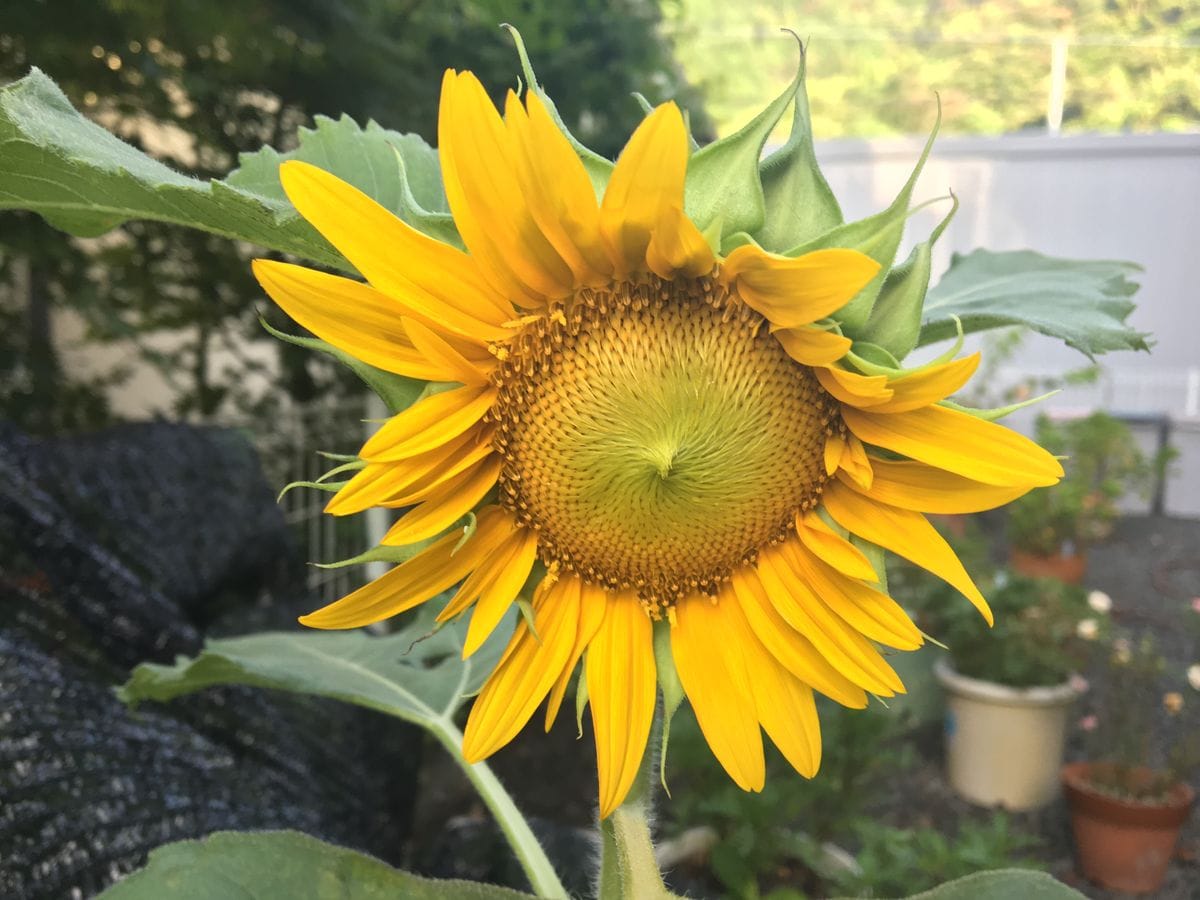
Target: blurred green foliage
{"x": 1131, "y": 65}
{"x": 195, "y": 84}
{"x": 1103, "y": 463}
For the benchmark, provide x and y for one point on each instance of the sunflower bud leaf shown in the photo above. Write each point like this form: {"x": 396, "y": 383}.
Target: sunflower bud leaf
{"x": 799, "y": 202}
{"x": 723, "y": 179}
{"x": 877, "y": 236}
{"x": 895, "y": 320}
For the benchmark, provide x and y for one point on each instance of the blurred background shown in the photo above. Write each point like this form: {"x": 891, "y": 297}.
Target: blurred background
{"x": 1072, "y": 128}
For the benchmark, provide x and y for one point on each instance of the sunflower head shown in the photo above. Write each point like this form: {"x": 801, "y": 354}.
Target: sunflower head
{"x": 666, "y": 390}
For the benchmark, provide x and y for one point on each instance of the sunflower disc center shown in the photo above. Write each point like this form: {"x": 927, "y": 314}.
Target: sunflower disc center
{"x": 656, "y": 435}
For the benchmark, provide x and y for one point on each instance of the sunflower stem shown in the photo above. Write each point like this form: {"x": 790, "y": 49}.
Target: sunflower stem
{"x": 542, "y": 877}
{"x": 628, "y": 868}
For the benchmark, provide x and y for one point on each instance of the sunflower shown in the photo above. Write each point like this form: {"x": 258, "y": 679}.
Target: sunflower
{"x": 639, "y": 433}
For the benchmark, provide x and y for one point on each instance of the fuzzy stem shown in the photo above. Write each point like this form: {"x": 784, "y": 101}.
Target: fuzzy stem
{"x": 628, "y": 869}
{"x": 529, "y": 852}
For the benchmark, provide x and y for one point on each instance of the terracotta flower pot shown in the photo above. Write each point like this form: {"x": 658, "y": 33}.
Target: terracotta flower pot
{"x": 1004, "y": 745}
{"x": 1124, "y": 845}
{"x": 1067, "y": 569}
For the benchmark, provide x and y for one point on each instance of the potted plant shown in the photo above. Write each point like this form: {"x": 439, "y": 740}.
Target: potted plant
{"x": 1127, "y": 804}
{"x": 1050, "y": 529}
{"x": 1009, "y": 688}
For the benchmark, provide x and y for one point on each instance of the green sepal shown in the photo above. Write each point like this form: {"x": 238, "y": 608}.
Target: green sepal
{"x": 871, "y": 359}
{"x": 998, "y": 412}
{"x": 388, "y": 554}
{"x": 895, "y": 320}
{"x": 876, "y": 556}
{"x": 331, "y": 487}
{"x": 581, "y": 695}
{"x": 877, "y": 236}
{"x": 526, "y": 609}
{"x": 672, "y": 692}
{"x": 799, "y": 202}
{"x": 599, "y": 169}
{"x": 396, "y": 391}
{"x": 722, "y": 178}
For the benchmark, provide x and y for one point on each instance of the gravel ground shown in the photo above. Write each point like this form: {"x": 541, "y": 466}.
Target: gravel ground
{"x": 1151, "y": 569}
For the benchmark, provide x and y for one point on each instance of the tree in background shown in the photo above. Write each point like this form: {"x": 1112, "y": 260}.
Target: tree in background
{"x": 196, "y": 83}
{"x": 1130, "y": 65}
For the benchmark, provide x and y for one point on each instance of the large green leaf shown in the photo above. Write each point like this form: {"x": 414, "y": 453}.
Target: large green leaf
{"x": 273, "y": 865}
{"x": 1084, "y": 303}
{"x": 84, "y": 180}
{"x": 412, "y": 674}
{"x": 1002, "y": 884}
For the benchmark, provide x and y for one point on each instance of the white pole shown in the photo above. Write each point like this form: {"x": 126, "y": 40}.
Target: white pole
{"x": 1058, "y": 84}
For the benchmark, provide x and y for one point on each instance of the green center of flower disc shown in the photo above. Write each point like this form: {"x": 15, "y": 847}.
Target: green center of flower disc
{"x": 656, "y": 435}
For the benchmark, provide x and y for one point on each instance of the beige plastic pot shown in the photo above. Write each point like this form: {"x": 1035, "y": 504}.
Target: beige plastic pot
{"x": 1004, "y": 746}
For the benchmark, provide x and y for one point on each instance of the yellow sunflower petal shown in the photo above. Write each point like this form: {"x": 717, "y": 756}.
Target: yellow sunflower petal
{"x": 430, "y": 278}
{"x": 646, "y": 182}
{"x": 905, "y": 533}
{"x": 928, "y": 386}
{"x": 835, "y": 446}
{"x": 833, "y": 549}
{"x": 812, "y": 346}
{"x": 497, "y": 595}
{"x": 428, "y": 423}
{"x": 916, "y": 486}
{"x": 444, "y": 506}
{"x": 439, "y": 352}
{"x": 845, "y": 648}
{"x": 459, "y": 455}
{"x": 716, "y": 680}
{"x": 872, "y": 613}
{"x": 678, "y": 248}
{"x": 485, "y": 196}
{"x": 792, "y": 291}
{"x": 856, "y": 464}
{"x": 958, "y": 442}
{"x": 529, "y": 668}
{"x": 593, "y": 604}
{"x": 411, "y": 583}
{"x": 557, "y": 189}
{"x": 794, "y": 651}
{"x": 622, "y": 689}
{"x": 852, "y": 388}
{"x": 785, "y": 706}
{"x": 351, "y": 316}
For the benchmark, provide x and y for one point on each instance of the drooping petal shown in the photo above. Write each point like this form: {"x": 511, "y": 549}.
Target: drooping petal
{"x": 443, "y": 506}
{"x": 593, "y": 604}
{"x": 905, "y": 533}
{"x": 792, "y": 291}
{"x": 855, "y": 463}
{"x": 852, "y": 388}
{"x": 646, "y": 182}
{"x": 485, "y": 196}
{"x": 428, "y": 423}
{"x": 917, "y": 486}
{"x": 928, "y": 386}
{"x": 794, "y": 651}
{"x": 958, "y": 442}
{"x": 622, "y": 688}
{"x": 530, "y": 666}
{"x": 835, "y": 446}
{"x": 812, "y": 346}
{"x": 428, "y": 276}
{"x": 867, "y": 610}
{"x": 845, "y": 648}
{"x": 438, "y": 350}
{"x": 716, "y": 680}
{"x": 678, "y": 248}
{"x": 833, "y": 549}
{"x": 352, "y": 316}
{"x": 411, "y": 583}
{"x": 557, "y": 188}
{"x": 497, "y": 594}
